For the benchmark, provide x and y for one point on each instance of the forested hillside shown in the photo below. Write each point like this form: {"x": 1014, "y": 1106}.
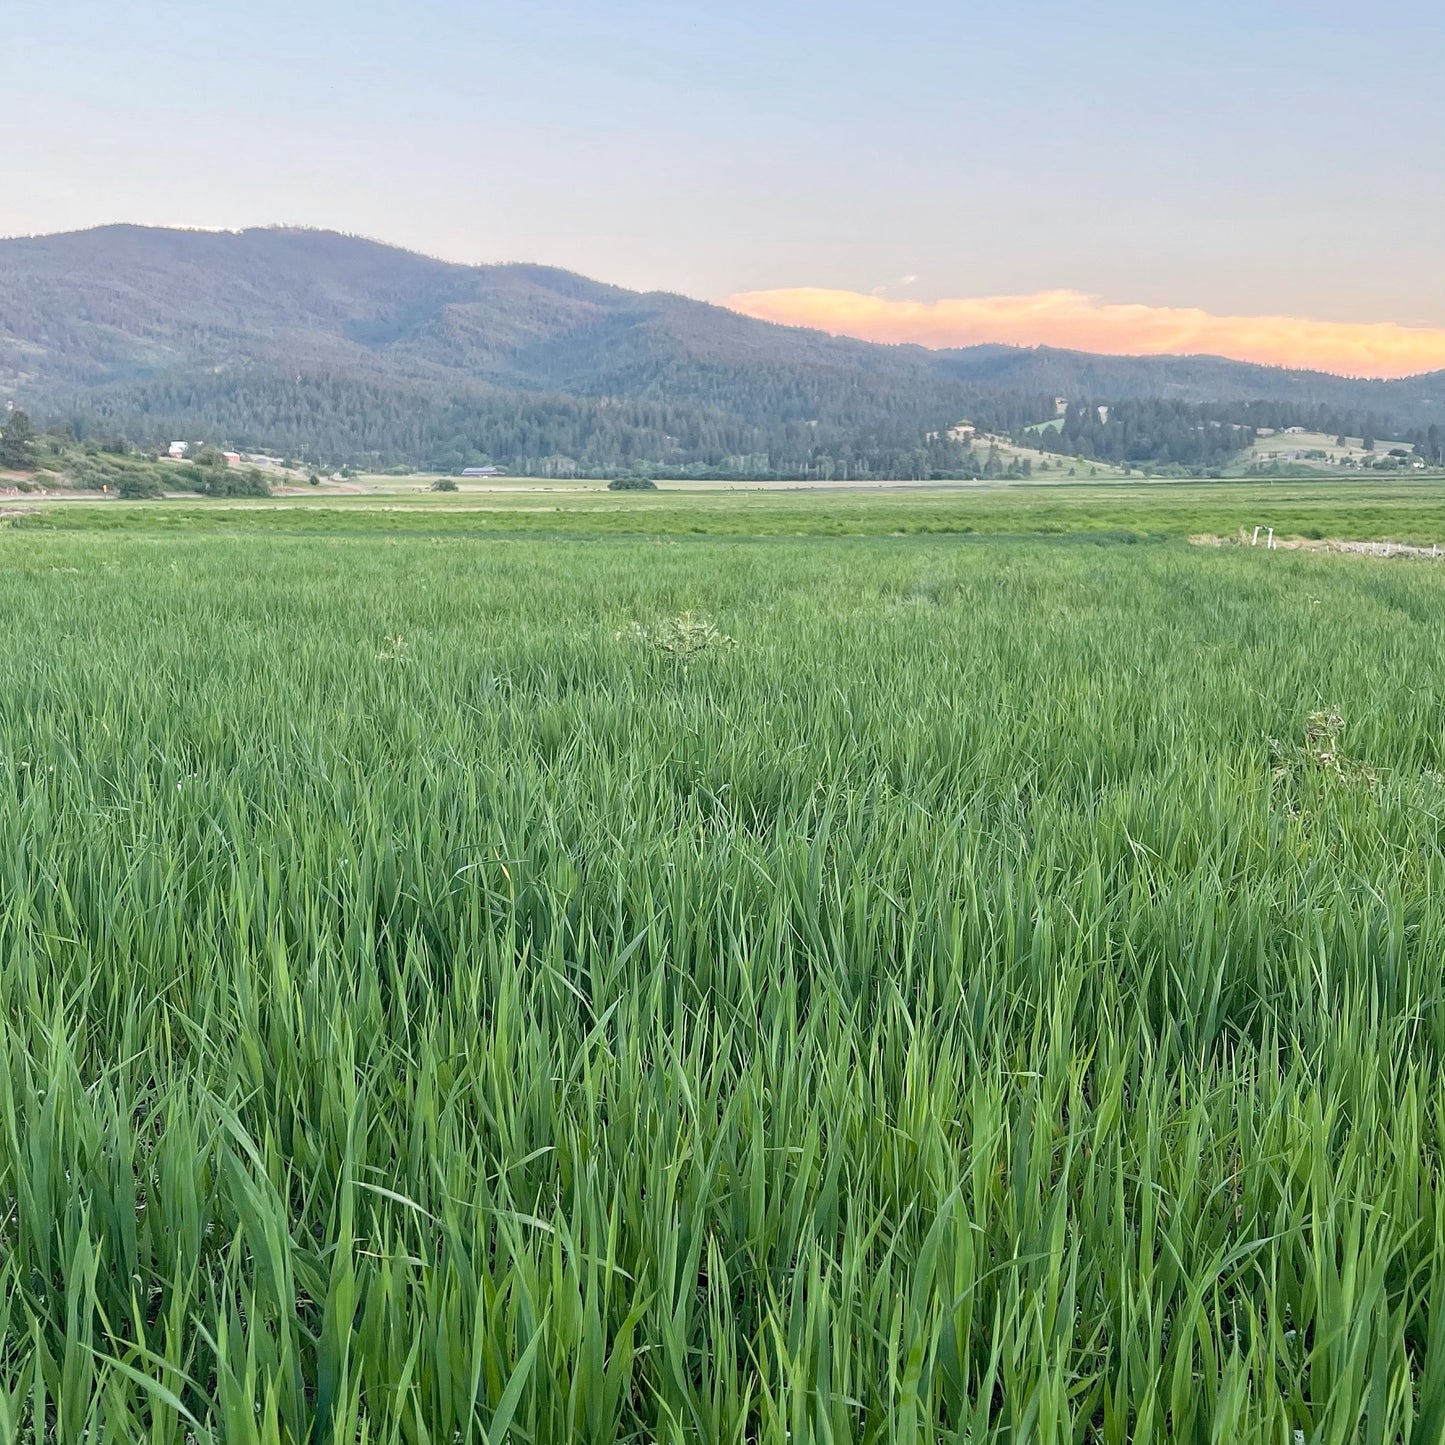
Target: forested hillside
{"x": 1414, "y": 401}
{"x": 341, "y": 350}
{"x": 360, "y": 419}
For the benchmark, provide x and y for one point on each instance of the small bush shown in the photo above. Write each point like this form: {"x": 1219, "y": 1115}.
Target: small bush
{"x": 683, "y": 638}
{"x": 232, "y": 483}
{"x": 632, "y": 484}
{"x": 139, "y": 487}
{"x": 1322, "y": 752}
{"x": 444, "y": 484}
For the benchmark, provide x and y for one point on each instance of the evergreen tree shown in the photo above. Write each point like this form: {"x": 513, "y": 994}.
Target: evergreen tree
{"x": 17, "y": 443}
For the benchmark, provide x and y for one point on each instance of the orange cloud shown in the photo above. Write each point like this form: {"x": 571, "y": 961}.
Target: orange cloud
{"x": 1072, "y": 319}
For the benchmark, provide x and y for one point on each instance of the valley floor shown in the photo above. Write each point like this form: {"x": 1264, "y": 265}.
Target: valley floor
{"x": 1406, "y": 510}
{"x": 957, "y": 965}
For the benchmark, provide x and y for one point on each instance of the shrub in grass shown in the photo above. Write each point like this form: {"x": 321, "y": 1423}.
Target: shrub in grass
{"x": 139, "y": 486}
{"x": 233, "y": 482}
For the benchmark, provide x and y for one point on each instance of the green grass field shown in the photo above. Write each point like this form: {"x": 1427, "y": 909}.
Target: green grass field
{"x": 1404, "y": 510}
{"x": 633, "y": 973}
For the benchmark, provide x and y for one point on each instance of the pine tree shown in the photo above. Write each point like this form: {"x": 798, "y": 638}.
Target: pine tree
{"x": 17, "y": 443}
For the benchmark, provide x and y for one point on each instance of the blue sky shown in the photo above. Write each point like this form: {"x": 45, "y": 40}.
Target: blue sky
{"x": 1282, "y": 156}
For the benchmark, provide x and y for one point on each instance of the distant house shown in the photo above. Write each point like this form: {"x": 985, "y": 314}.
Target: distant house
{"x": 481, "y": 471}
{"x": 233, "y": 459}
{"x": 962, "y": 432}
{"x": 177, "y": 450}
{"x": 1061, "y": 406}
{"x": 1294, "y": 431}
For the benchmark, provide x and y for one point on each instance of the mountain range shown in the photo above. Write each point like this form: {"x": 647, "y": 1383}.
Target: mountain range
{"x": 347, "y": 350}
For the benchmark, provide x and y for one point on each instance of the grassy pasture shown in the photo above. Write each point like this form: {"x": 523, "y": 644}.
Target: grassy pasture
{"x": 1289, "y": 443}
{"x": 626, "y": 984}
{"x": 1399, "y": 509}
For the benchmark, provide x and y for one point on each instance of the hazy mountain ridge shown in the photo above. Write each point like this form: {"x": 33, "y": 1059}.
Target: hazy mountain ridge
{"x": 1192, "y": 378}
{"x": 350, "y": 348}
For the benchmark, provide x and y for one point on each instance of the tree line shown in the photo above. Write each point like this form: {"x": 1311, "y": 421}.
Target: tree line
{"x": 1204, "y": 435}
{"x": 728, "y": 423}
{"x": 367, "y": 422}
